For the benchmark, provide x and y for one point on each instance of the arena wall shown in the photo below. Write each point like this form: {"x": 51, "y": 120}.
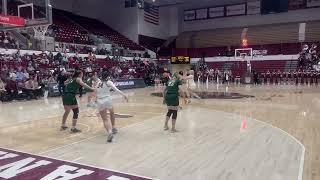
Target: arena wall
{"x": 249, "y": 20}
{"x": 168, "y": 24}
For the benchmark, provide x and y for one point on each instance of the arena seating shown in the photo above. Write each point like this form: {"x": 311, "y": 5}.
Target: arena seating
{"x": 99, "y": 28}
{"x": 150, "y": 42}
{"x": 66, "y": 31}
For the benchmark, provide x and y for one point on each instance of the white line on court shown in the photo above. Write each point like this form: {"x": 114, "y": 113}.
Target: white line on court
{"x": 77, "y": 159}
{"x": 301, "y": 165}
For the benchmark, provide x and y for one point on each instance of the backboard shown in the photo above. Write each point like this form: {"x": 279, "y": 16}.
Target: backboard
{"x": 242, "y": 54}
{"x": 24, "y": 13}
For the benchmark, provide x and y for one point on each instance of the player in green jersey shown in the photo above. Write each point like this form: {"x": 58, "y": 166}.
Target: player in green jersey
{"x": 69, "y": 99}
{"x": 171, "y": 98}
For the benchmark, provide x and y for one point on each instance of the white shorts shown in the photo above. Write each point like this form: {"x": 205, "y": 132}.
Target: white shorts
{"x": 192, "y": 87}
{"x": 104, "y": 103}
{"x": 184, "y": 87}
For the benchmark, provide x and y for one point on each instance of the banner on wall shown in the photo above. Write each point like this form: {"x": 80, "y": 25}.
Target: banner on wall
{"x": 253, "y": 7}
{"x": 235, "y": 10}
{"x": 297, "y": 4}
{"x": 202, "y": 13}
{"x": 216, "y": 12}
{"x": 189, "y": 15}
{"x": 313, "y": 3}
{"x": 130, "y": 83}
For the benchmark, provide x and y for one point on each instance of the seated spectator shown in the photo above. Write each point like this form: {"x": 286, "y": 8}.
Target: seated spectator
{"x": 20, "y": 75}
{"x": 12, "y": 74}
{"x": 51, "y": 79}
{"x": 2, "y": 90}
{"x": 30, "y": 68}
{"x": 6, "y": 43}
{"x": 12, "y": 88}
{"x": 25, "y": 74}
{"x": 61, "y": 79}
{"x": 32, "y": 88}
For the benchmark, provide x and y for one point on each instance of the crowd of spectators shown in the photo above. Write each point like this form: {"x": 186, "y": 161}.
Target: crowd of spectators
{"x": 27, "y": 76}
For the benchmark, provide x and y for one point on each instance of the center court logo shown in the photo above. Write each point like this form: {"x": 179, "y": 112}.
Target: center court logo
{"x": 17, "y": 165}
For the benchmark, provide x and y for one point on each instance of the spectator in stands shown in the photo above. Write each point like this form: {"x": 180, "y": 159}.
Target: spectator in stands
{"x": 61, "y": 78}
{"x": 30, "y": 68}
{"x": 12, "y": 88}
{"x": 51, "y": 79}
{"x": 20, "y": 75}
{"x": 6, "y": 43}
{"x": 12, "y": 74}
{"x": 50, "y": 56}
{"x": 2, "y": 90}
{"x": 29, "y": 43}
{"x": 30, "y": 88}
{"x": 25, "y": 74}
{"x": 91, "y": 56}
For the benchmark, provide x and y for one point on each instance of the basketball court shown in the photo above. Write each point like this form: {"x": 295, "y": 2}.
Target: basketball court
{"x": 259, "y": 137}
{"x": 269, "y": 133}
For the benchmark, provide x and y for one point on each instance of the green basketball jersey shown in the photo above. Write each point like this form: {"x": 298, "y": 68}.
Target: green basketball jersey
{"x": 173, "y": 86}
{"x": 72, "y": 86}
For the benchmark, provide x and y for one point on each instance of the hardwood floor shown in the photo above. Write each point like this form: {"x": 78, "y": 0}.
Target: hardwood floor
{"x": 218, "y": 138}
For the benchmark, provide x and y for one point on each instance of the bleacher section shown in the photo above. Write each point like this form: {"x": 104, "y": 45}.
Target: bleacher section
{"x": 99, "y": 28}
{"x": 66, "y": 31}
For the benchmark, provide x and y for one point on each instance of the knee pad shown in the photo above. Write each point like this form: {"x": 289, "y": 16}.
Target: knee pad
{"x": 75, "y": 113}
{"x": 174, "y": 114}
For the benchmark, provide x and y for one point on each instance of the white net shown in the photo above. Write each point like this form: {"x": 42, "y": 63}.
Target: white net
{"x": 40, "y": 32}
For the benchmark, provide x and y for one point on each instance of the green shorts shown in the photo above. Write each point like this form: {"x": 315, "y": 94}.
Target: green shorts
{"x": 69, "y": 99}
{"x": 172, "y": 99}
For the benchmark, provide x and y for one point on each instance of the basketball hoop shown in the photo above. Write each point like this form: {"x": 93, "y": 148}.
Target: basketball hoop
{"x": 40, "y": 31}
{"x": 243, "y": 54}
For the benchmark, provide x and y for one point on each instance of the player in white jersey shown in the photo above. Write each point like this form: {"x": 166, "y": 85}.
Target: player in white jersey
{"x": 104, "y": 104}
{"x": 191, "y": 85}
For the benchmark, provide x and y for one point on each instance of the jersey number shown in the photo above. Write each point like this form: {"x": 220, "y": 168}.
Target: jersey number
{"x": 171, "y": 83}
